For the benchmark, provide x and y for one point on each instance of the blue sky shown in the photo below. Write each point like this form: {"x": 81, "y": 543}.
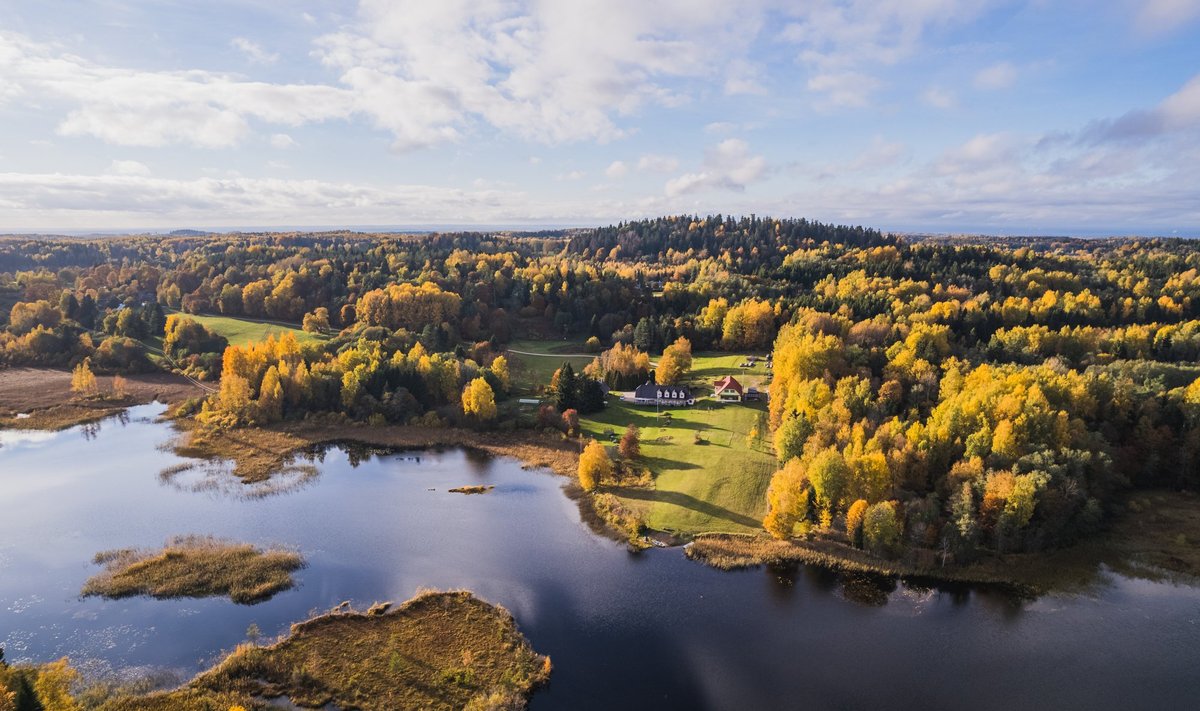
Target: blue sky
{"x": 1036, "y": 117}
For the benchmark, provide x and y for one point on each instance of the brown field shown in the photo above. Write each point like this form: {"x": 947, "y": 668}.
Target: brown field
{"x": 45, "y": 395}
{"x": 195, "y": 567}
{"x": 437, "y": 651}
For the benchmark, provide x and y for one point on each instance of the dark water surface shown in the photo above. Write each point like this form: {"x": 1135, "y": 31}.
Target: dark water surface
{"x": 649, "y": 631}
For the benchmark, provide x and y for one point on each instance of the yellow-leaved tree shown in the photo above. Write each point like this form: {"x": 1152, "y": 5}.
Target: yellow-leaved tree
{"x": 788, "y": 498}
{"x": 854, "y": 522}
{"x": 120, "y": 387}
{"x": 53, "y": 686}
{"x": 594, "y": 465}
{"x": 675, "y": 362}
{"x": 478, "y": 400}
{"x": 83, "y": 380}
{"x": 499, "y": 368}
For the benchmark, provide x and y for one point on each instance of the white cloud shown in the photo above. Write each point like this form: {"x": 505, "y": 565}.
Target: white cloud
{"x": 744, "y": 77}
{"x": 427, "y": 73}
{"x": 842, "y": 43}
{"x": 571, "y": 176}
{"x": 880, "y": 154}
{"x": 616, "y": 169}
{"x": 940, "y": 98}
{"x": 128, "y": 167}
{"x": 550, "y": 72}
{"x": 982, "y": 152}
{"x": 56, "y": 201}
{"x": 1001, "y": 75}
{"x": 143, "y": 108}
{"x": 727, "y": 166}
{"x": 844, "y": 89}
{"x": 1178, "y": 112}
{"x": 282, "y": 141}
{"x": 115, "y": 199}
{"x": 1161, "y": 16}
{"x": 655, "y": 163}
{"x": 253, "y": 51}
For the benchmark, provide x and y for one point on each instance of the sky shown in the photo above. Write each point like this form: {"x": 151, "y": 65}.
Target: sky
{"x": 944, "y": 116}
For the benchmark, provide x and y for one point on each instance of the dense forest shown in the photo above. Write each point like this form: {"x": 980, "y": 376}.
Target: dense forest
{"x": 957, "y": 396}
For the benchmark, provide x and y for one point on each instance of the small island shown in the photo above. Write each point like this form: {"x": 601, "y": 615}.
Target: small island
{"x": 475, "y": 489}
{"x": 439, "y": 650}
{"x": 195, "y": 566}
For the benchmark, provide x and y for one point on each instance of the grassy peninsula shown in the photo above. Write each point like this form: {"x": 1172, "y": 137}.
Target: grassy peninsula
{"x": 438, "y": 651}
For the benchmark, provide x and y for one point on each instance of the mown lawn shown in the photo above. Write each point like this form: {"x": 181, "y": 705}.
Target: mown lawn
{"x": 708, "y": 367}
{"x": 716, "y": 485}
{"x": 529, "y": 372}
{"x": 243, "y": 331}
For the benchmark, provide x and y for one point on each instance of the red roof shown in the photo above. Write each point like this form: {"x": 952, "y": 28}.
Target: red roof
{"x": 727, "y": 383}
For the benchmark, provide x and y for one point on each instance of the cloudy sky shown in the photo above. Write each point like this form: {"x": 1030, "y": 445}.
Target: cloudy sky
{"x": 1031, "y": 117}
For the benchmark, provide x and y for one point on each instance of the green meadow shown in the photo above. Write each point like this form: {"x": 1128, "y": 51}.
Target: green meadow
{"x": 708, "y": 477}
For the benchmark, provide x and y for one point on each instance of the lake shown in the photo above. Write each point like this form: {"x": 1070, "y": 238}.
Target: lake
{"x": 629, "y": 631}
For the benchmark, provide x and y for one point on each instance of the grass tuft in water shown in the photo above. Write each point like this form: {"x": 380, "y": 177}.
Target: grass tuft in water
{"x": 195, "y": 566}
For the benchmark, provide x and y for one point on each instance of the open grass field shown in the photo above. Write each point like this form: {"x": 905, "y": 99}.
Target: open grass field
{"x": 530, "y": 372}
{"x": 717, "y": 484}
{"x": 710, "y": 366}
{"x": 242, "y": 331}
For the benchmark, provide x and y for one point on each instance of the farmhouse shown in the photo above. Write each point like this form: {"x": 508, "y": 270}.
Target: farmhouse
{"x": 728, "y": 389}
{"x": 651, "y": 393}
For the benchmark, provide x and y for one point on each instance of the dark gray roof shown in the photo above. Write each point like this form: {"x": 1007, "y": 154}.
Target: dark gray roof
{"x": 654, "y": 391}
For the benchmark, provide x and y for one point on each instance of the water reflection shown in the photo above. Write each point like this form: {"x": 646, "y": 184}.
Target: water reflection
{"x": 651, "y": 630}
{"x": 218, "y": 479}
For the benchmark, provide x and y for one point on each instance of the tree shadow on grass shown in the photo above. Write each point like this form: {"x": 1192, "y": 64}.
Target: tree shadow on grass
{"x": 649, "y": 419}
{"x": 690, "y": 502}
{"x": 661, "y": 464}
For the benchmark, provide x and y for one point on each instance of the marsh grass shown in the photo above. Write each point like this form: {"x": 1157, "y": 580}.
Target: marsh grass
{"x": 259, "y": 454}
{"x": 440, "y": 650}
{"x": 608, "y": 516}
{"x": 195, "y": 566}
{"x": 60, "y": 417}
{"x": 216, "y": 476}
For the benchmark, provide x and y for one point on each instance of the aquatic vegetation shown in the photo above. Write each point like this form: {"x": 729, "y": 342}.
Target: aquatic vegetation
{"x": 195, "y": 566}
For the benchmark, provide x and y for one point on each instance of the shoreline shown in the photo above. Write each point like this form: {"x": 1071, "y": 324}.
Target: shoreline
{"x": 257, "y": 453}
{"x": 1121, "y": 549}
{"x": 41, "y": 398}
{"x": 464, "y": 652}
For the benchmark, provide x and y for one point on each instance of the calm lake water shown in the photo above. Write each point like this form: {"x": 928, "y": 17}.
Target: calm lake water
{"x": 648, "y": 631}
